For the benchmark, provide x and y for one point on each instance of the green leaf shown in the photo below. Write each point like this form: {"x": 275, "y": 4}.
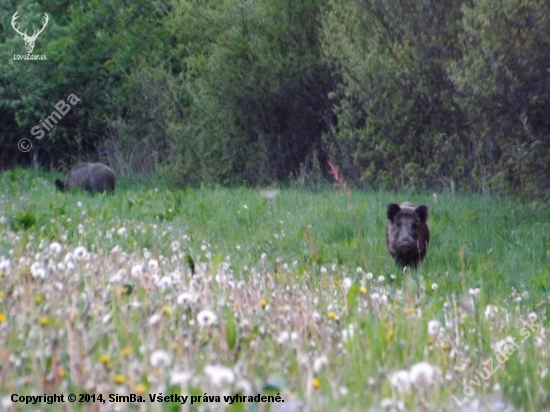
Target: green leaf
{"x": 230, "y": 331}
{"x": 353, "y": 293}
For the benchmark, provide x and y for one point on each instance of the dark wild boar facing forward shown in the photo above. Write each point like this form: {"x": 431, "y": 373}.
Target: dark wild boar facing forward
{"x": 92, "y": 177}
{"x": 407, "y": 234}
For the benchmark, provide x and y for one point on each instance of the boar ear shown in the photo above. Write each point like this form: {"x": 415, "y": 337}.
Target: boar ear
{"x": 393, "y": 209}
{"x": 422, "y": 212}
{"x": 60, "y": 185}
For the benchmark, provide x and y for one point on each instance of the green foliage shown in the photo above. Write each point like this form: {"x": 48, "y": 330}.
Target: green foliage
{"x": 504, "y": 87}
{"x": 436, "y": 93}
{"x": 398, "y": 125}
{"x": 257, "y": 87}
{"x": 413, "y": 94}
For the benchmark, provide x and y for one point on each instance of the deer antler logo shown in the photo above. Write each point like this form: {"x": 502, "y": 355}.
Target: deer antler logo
{"x": 29, "y": 40}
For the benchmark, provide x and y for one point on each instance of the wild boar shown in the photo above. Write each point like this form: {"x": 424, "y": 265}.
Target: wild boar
{"x": 407, "y": 234}
{"x": 92, "y": 177}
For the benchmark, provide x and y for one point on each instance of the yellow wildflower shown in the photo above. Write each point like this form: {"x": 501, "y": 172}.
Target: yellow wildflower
{"x": 316, "y": 383}
{"x": 126, "y": 351}
{"x": 119, "y": 379}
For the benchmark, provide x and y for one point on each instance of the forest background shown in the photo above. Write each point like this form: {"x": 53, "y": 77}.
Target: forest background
{"x": 410, "y": 94}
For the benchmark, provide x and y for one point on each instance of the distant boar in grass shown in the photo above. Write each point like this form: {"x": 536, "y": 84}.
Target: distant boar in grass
{"x": 92, "y": 177}
{"x": 407, "y": 234}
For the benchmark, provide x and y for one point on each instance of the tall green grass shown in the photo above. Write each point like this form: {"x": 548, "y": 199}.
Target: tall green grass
{"x": 494, "y": 243}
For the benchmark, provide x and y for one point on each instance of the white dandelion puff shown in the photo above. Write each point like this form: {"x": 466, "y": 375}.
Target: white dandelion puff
{"x": 433, "y": 327}
{"x": 153, "y": 264}
{"x": 175, "y": 246}
{"x": 165, "y": 283}
{"x": 38, "y": 271}
{"x": 206, "y": 318}
{"x": 5, "y": 265}
{"x": 55, "y": 248}
{"x": 137, "y": 271}
{"x": 219, "y": 375}
{"x": 434, "y": 286}
{"x": 422, "y": 374}
{"x": 160, "y": 358}
{"x": 283, "y": 338}
{"x": 117, "y": 277}
{"x": 185, "y": 298}
{"x": 401, "y": 381}
{"x": 319, "y": 362}
{"x": 491, "y": 312}
{"x": 346, "y": 284}
{"x": 180, "y": 378}
{"x": 154, "y": 319}
{"x": 80, "y": 253}
{"x": 121, "y": 231}
{"x": 347, "y": 334}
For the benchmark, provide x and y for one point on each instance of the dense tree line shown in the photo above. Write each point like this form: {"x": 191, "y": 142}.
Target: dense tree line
{"x": 415, "y": 93}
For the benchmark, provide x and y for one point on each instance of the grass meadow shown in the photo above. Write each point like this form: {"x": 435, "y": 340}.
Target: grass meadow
{"x": 209, "y": 293}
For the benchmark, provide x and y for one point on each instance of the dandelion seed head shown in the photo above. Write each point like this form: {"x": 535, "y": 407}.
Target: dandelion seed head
{"x": 422, "y": 375}
{"x": 491, "y": 312}
{"x": 80, "y": 253}
{"x": 433, "y": 327}
{"x": 137, "y": 271}
{"x": 206, "y": 318}
{"x": 185, "y": 298}
{"x": 154, "y": 319}
{"x": 153, "y": 264}
{"x": 346, "y": 284}
{"x": 5, "y": 265}
{"x": 319, "y": 362}
{"x": 219, "y": 375}
{"x": 401, "y": 381}
{"x": 160, "y": 358}
{"x": 283, "y": 338}
{"x": 180, "y": 378}
{"x": 55, "y": 248}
